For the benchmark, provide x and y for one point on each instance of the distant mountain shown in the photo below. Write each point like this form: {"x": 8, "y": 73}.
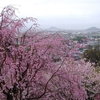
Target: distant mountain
{"x": 93, "y": 29}
{"x": 53, "y": 29}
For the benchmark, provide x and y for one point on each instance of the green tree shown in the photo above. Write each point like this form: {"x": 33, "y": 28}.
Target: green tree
{"x": 79, "y": 38}
{"x": 92, "y": 54}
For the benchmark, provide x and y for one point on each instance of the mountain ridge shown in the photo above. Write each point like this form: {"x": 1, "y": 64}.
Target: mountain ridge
{"x": 90, "y": 29}
{"x": 52, "y": 28}
{"x": 93, "y": 29}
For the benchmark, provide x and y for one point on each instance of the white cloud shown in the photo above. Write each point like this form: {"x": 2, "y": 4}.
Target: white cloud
{"x": 57, "y": 9}
{"x": 54, "y": 8}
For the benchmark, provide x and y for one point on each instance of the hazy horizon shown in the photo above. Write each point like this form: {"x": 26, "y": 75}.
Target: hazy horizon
{"x": 71, "y": 28}
{"x": 64, "y": 14}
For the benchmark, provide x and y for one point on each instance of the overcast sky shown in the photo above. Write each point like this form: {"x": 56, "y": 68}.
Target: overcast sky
{"x": 66, "y": 14}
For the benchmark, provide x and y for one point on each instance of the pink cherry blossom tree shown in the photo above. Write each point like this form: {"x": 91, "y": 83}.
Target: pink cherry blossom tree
{"x": 37, "y": 66}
